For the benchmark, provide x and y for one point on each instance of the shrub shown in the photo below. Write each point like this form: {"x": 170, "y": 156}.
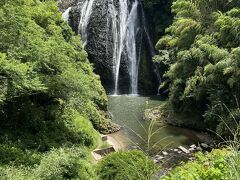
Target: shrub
{"x": 126, "y": 165}
{"x": 211, "y": 166}
{"x": 62, "y": 163}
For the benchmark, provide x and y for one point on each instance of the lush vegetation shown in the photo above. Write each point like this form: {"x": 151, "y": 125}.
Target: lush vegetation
{"x": 200, "y": 57}
{"x": 215, "y": 165}
{"x": 50, "y": 99}
{"x": 52, "y": 105}
{"x": 132, "y": 165}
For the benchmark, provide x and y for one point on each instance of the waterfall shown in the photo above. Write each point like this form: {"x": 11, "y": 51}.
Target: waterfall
{"x": 113, "y": 15}
{"x": 133, "y": 28}
{"x": 125, "y": 28}
{"x": 84, "y": 20}
{"x": 124, "y": 23}
{"x": 65, "y": 15}
{"x": 119, "y": 20}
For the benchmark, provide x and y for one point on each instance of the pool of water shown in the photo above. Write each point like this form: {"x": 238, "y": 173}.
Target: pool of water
{"x": 128, "y": 112}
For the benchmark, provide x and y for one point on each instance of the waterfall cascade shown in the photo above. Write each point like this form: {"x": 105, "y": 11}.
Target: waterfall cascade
{"x": 132, "y": 49}
{"x": 119, "y": 27}
{"x": 84, "y": 20}
{"x": 65, "y": 15}
{"x": 125, "y": 28}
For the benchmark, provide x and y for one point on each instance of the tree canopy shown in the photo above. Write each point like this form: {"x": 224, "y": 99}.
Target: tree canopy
{"x": 200, "y": 55}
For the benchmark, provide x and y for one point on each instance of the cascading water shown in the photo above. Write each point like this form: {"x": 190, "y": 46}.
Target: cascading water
{"x": 119, "y": 20}
{"x": 113, "y": 15}
{"x": 126, "y": 27}
{"x": 65, "y": 15}
{"x": 133, "y": 28}
{"x": 84, "y": 20}
{"x": 125, "y": 32}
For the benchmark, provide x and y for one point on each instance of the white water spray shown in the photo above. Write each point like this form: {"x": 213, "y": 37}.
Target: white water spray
{"x": 119, "y": 27}
{"x": 84, "y": 20}
{"x": 133, "y": 28}
{"x": 65, "y": 15}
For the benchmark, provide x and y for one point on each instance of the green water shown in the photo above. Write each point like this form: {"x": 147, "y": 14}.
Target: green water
{"x": 128, "y": 111}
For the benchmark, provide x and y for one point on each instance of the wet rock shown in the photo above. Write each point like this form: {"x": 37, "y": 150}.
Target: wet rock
{"x": 191, "y": 158}
{"x": 112, "y": 128}
{"x": 164, "y": 153}
{"x": 193, "y": 146}
{"x": 199, "y": 149}
{"x": 204, "y": 145}
{"x": 160, "y": 158}
{"x": 100, "y": 47}
{"x": 184, "y": 149}
{"x": 192, "y": 149}
{"x": 153, "y": 114}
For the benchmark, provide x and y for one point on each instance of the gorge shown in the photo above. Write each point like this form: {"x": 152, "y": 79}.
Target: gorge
{"x": 126, "y": 46}
{"x": 80, "y": 95}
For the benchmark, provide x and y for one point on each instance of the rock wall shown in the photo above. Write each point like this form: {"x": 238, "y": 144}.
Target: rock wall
{"x": 100, "y": 49}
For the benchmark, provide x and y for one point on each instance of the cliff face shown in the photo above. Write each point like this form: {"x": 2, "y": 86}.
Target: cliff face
{"x": 100, "y": 46}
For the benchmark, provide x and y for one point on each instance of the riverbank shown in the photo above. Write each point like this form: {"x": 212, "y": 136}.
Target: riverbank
{"x": 160, "y": 115}
{"x": 128, "y": 112}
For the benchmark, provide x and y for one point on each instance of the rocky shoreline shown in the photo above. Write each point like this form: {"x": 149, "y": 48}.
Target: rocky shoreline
{"x": 157, "y": 115}
{"x": 171, "y": 158}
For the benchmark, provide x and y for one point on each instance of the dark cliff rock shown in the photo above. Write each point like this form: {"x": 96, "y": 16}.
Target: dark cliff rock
{"x": 100, "y": 45}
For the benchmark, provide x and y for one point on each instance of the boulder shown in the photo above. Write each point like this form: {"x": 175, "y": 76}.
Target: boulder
{"x": 199, "y": 149}
{"x": 153, "y": 114}
{"x": 191, "y": 149}
{"x": 193, "y": 146}
{"x": 184, "y": 149}
{"x": 204, "y": 145}
{"x": 164, "y": 153}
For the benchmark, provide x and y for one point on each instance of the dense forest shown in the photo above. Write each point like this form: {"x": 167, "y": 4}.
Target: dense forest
{"x": 199, "y": 55}
{"x": 54, "y": 107}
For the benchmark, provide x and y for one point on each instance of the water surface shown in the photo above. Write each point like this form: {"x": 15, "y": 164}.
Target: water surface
{"x": 128, "y": 112}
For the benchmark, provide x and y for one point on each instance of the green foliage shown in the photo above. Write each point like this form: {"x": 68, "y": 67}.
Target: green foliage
{"x": 200, "y": 57}
{"x": 50, "y": 99}
{"x": 59, "y": 164}
{"x": 211, "y": 166}
{"x": 42, "y": 61}
{"x": 126, "y": 165}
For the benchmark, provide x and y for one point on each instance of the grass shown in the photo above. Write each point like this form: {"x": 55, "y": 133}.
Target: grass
{"x": 104, "y": 145}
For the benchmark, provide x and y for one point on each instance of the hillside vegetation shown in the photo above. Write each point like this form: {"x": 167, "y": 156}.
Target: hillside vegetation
{"x": 50, "y": 99}
{"x": 200, "y": 57}
{"x": 53, "y": 107}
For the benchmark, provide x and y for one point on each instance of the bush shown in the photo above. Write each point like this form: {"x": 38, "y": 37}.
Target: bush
{"x": 126, "y": 165}
{"x": 211, "y": 166}
{"x": 199, "y": 57}
{"x": 63, "y": 163}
